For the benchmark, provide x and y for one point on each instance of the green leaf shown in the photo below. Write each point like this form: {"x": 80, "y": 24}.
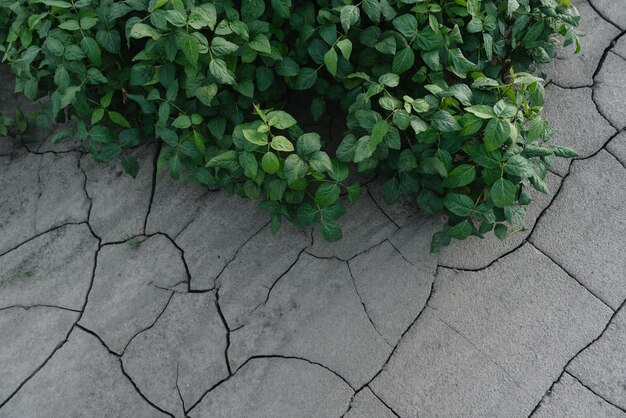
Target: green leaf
{"x": 539, "y": 184}
{"x": 516, "y": 216}
{"x": 252, "y": 9}
{"x": 503, "y": 192}
{"x": 379, "y": 131}
{"x": 363, "y": 149}
{"x": 462, "y": 230}
{"x": 406, "y": 25}
{"x": 439, "y": 241}
{"x": 308, "y": 143}
{"x": 403, "y": 60}
{"x": 460, "y": 176}
{"x": 354, "y": 191}
{"x": 281, "y": 143}
{"x": 482, "y": 111}
{"x": 141, "y": 30}
{"x": 191, "y": 50}
{"x": 459, "y": 204}
{"x": 320, "y": 161}
{"x": 255, "y": 137}
{"x": 471, "y": 124}
{"x": 390, "y": 191}
{"x": 307, "y": 215}
{"x": 389, "y": 79}
{"x": 564, "y": 152}
{"x": 203, "y": 16}
{"x": 129, "y": 138}
{"x": 459, "y": 64}
{"x": 182, "y": 122}
{"x": 372, "y": 9}
{"x": 270, "y": 163}
{"x": 130, "y": 165}
{"x": 496, "y": 134}
{"x": 220, "y": 46}
{"x": 220, "y": 71}
{"x": 433, "y": 165}
{"x": 407, "y": 161}
{"x": 223, "y": 160}
{"x": 97, "y": 115}
{"x": 445, "y": 122}
{"x": 330, "y": 60}
{"x": 206, "y": 94}
{"x": 102, "y": 134}
{"x": 331, "y": 231}
{"x": 519, "y": 166}
{"x": 500, "y": 231}
{"x": 305, "y": 79}
{"x": 118, "y": 119}
{"x": 280, "y": 119}
{"x": 109, "y": 39}
{"x": 92, "y": 50}
{"x": 261, "y": 44}
{"x": 61, "y": 78}
{"x": 333, "y": 212}
{"x": 295, "y": 168}
{"x": 248, "y": 162}
{"x": 327, "y": 194}
{"x": 281, "y": 8}
{"x": 70, "y": 25}
{"x": 345, "y": 46}
{"x": 349, "y": 15}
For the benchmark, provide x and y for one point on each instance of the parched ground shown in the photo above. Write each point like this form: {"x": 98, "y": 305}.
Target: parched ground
{"x": 147, "y": 298}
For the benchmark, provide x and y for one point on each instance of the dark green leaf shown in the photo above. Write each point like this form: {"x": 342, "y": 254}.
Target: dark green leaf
{"x": 460, "y": 176}
{"x": 503, "y": 193}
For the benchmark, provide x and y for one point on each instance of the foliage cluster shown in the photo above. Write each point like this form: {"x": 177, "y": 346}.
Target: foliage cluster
{"x": 441, "y": 97}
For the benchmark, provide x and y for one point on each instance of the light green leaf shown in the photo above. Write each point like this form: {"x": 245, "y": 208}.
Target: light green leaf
{"x": 330, "y": 60}
{"x": 182, "y": 122}
{"x": 280, "y": 119}
{"x": 141, "y": 30}
{"x": 482, "y": 111}
{"x": 281, "y": 143}
{"x": 349, "y": 16}
{"x": 118, "y": 119}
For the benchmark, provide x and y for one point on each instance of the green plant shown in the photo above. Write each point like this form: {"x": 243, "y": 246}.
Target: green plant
{"x": 19, "y": 274}
{"x": 133, "y": 242}
{"x": 441, "y": 96}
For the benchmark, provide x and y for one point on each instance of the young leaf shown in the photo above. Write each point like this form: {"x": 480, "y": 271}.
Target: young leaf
{"x": 281, "y": 143}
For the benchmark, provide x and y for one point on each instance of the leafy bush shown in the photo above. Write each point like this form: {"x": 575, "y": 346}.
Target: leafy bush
{"x": 441, "y": 98}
